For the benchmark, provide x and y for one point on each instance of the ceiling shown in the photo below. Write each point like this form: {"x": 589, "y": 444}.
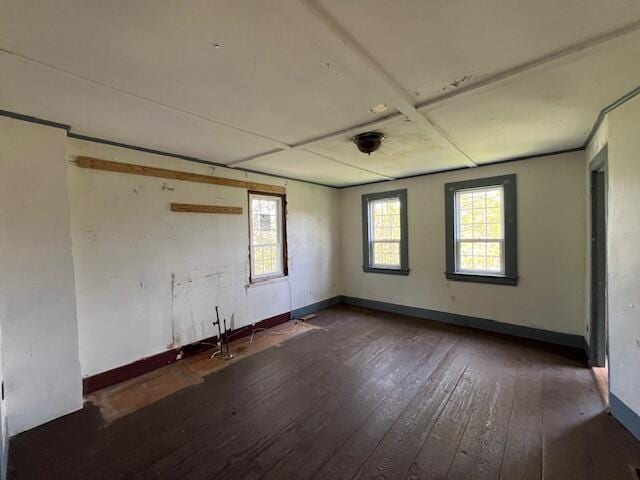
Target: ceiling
{"x": 280, "y": 86}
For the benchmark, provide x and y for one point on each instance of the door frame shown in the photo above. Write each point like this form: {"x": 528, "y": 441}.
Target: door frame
{"x": 598, "y": 313}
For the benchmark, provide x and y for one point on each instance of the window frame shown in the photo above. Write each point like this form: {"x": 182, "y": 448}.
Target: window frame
{"x": 283, "y": 237}
{"x": 367, "y": 265}
{"x": 510, "y": 254}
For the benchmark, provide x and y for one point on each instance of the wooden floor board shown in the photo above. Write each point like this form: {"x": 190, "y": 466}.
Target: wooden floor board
{"x": 354, "y": 451}
{"x": 354, "y": 406}
{"x": 442, "y": 442}
{"x": 479, "y": 454}
{"x": 369, "y": 395}
{"x": 522, "y": 457}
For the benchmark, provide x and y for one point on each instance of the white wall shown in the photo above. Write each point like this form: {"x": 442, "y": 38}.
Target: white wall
{"x": 38, "y": 310}
{"x": 148, "y": 279}
{"x": 623, "y": 253}
{"x": 551, "y": 248}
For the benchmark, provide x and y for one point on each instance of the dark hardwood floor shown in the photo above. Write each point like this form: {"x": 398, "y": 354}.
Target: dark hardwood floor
{"x": 374, "y": 395}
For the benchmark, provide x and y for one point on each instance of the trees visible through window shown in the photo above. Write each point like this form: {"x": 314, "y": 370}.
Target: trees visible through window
{"x": 480, "y": 230}
{"x": 385, "y": 232}
{"x": 266, "y": 236}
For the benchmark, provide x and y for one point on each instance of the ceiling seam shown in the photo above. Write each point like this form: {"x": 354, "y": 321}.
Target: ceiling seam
{"x": 400, "y": 98}
{"x": 524, "y": 68}
{"x": 347, "y": 164}
{"x": 281, "y": 144}
{"x": 347, "y": 132}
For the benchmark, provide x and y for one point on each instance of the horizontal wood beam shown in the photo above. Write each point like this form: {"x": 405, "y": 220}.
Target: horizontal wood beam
{"x": 109, "y": 166}
{"x": 193, "y": 208}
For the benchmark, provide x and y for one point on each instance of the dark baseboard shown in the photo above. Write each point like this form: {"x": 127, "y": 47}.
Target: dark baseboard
{"x": 148, "y": 364}
{"x": 627, "y": 417}
{"x": 316, "y": 307}
{"x": 566, "y": 339}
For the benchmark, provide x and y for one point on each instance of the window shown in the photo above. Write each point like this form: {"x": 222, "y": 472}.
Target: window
{"x": 267, "y": 236}
{"x": 481, "y": 230}
{"x": 384, "y": 232}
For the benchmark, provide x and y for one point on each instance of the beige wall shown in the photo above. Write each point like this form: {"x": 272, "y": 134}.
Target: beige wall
{"x": 551, "y": 248}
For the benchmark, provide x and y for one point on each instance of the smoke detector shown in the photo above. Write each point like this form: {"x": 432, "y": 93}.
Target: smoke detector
{"x": 368, "y": 142}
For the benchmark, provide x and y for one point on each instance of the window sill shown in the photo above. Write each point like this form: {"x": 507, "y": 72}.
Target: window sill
{"x": 493, "y": 279}
{"x": 267, "y": 280}
{"x": 390, "y": 271}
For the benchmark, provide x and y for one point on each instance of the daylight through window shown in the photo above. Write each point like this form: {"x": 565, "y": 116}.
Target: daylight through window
{"x": 385, "y": 232}
{"x": 266, "y": 235}
{"x": 480, "y": 230}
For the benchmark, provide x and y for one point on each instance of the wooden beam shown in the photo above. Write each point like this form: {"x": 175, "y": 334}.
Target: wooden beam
{"x": 109, "y": 166}
{"x": 189, "y": 207}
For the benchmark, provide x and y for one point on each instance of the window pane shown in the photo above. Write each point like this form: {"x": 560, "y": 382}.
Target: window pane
{"x": 479, "y": 231}
{"x": 385, "y": 219}
{"x": 466, "y": 217}
{"x": 479, "y": 263}
{"x": 479, "y": 249}
{"x": 466, "y": 232}
{"x": 494, "y": 231}
{"x": 466, "y": 248}
{"x": 494, "y": 215}
{"x": 466, "y": 263}
{"x": 266, "y": 230}
{"x": 493, "y": 264}
{"x": 493, "y": 249}
{"x": 479, "y": 199}
{"x": 465, "y": 200}
{"x": 386, "y": 254}
{"x": 479, "y": 219}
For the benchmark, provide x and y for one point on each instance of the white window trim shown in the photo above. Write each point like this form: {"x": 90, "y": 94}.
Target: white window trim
{"x": 372, "y": 241}
{"x": 253, "y": 278}
{"x": 458, "y": 240}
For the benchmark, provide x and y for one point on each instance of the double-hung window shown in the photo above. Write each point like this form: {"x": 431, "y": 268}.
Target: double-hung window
{"x": 267, "y": 249}
{"x": 384, "y": 232}
{"x": 481, "y": 230}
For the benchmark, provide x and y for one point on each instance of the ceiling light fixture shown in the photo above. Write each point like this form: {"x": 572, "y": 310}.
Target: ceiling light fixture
{"x": 368, "y": 142}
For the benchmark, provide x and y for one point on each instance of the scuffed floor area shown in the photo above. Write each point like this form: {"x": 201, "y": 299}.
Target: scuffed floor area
{"x": 130, "y": 396}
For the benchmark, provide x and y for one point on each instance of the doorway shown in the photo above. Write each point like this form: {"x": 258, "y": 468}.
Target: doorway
{"x": 598, "y": 339}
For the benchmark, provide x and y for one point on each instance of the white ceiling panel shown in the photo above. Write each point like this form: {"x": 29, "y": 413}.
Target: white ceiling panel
{"x": 551, "y": 109}
{"x": 307, "y": 166}
{"x": 434, "y": 47}
{"x": 267, "y": 75}
{"x": 95, "y": 111}
{"x": 406, "y": 150}
{"x": 227, "y": 80}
